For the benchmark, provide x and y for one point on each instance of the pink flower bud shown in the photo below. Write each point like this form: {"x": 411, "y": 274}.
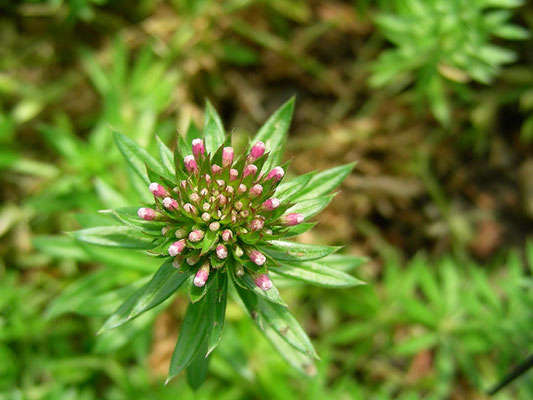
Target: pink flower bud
{"x": 201, "y": 276}
{"x": 241, "y": 189}
{"x": 170, "y": 204}
{"x": 227, "y": 156}
{"x": 146, "y": 213}
{"x": 206, "y": 206}
{"x": 189, "y": 208}
{"x": 271, "y": 204}
{"x": 257, "y": 224}
{"x": 176, "y": 247}
{"x": 215, "y": 169}
{"x": 257, "y": 151}
{"x": 256, "y": 190}
{"x": 214, "y": 226}
{"x": 292, "y": 219}
{"x": 183, "y": 185}
{"x": 249, "y": 170}
{"x": 207, "y": 178}
{"x": 276, "y": 174}
{"x": 263, "y": 282}
{"x": 206, "y": 217}
{"x": 190, "y": 164}
{"x": 233, "y": 174}
{"x": 222, "y": 199}
{"x": 164, "y": 230}
{"x": 198, "y": 148}
{"x": 227, "y": 235}
{"x": 157, "y": 190}
{"x": 196, "y": 235}
{"x": 230, "y": 189}
{"x": 204, "y": 192}
{"x": 222, "y": 251}
{"x": 257, "y": 257}
{"x": 245, "y": 213}
{"x": 238, "y": 205}
{"x": 180, "y": 233}
{"x": 195, "y": 197}
{"x": 238, "y": 251}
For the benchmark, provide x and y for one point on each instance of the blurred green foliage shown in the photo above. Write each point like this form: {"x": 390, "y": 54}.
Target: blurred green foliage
{"x": 437, "y": 326}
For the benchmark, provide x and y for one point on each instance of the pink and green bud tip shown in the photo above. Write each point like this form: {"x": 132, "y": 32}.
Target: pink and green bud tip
{"x": 256, "y": 190}
{"x": 190, "y": 164}
{"x": 196, "y": 235}
{"x": 257, "y": 151}
{"x": 227, "y": 157}
{"x": 198, "y": 148}
{"x": 176, "y": 248}
{"x": 157, "y": 190}
{"x": 257, "y": 257}
{"x": 222, "y": 251}
{"x": 249, "y": 170}
{"x": 170, "y": 204}
{"x": 227, "y": 235}
{"x": 276, "y": 174}
{"x": 292, "y": 219}
{"x": 233, "y": 174}
{"x": 271, "y": 204}
{"x": 147, "y": 214}
{"x": 263, "y": 282}
{"x": 201, "y": 276}
{"x": 257, "y": 224}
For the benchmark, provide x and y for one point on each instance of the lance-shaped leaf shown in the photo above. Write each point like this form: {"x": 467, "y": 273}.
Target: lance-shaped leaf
{"x": 163, "y": 284}
{"x": 281, "y": 250}
{"x": 298, "y": 229}
{"x": 311, "y": 207}
{"x": 324, "y": 182}
{"x": 166, "y": 156}
{"x": 217, "y": 311}
{"x": 274, "y": 132}
{"x": 127, "y": 237}
{"x": 197, "y": 370}
{"x": 343, "y": 262}
{"x": 137, "y": 157}
{"x": 291, "y": 188}
{"x": 317, "y": 273}
{"x": 128, "y": 215}
{"x": 192, "y": 336}
{"x": 213, "y": 129}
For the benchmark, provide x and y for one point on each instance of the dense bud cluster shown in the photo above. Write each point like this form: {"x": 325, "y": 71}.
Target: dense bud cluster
{"x": 220, "y": 210}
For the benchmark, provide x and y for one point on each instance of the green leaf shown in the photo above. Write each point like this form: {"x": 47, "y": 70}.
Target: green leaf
{"x": 288, "y": 189}
{"x": 217, "y": 311}
{"x": 137, "y": 157}
{"x": 324, "y": 182}
{"x": 213, "y": 129}
{"x": 163, "y": 284}
{"x": 197, "y": 293}
{"x": 114, "y": 236}
{"x": 192, "y": 337}
{"x": 128, "y": 216}
{"x": 274, "y": 133}
{"x": 166, "y": 156}
{"x": 298, "y": 229}
{"x": 311, "y": 207}
{"x": 282, "y": 321}
{"x": 343, "y": 262}
{"x": 209, "y": 240}
{"x": 281, "y": 250}
{"x": 317, "y": 273}
{"x": 197, "y": 370}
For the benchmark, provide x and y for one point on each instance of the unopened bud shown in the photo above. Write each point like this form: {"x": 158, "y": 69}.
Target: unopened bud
{"x": 227, "y": 235}
{"x": 245, "y": 213}
{"x": 227, "y": 156}
{"x": 207, "y": 178}
{"x": 276, "y": 174}
{"x": 204, "y": 192}
{"x": 191, "y": 260}
{"x": 221, "y": 199}
{"x": 195, "y": 197}
{"x": 292, "y": 219}
{"x": 190, "y": 164}
{"x": 206, "y": 206}
{"x": 196, "y": 235}
{"x": 233, "y": 174}
{"x": 263, "y": 282}
{"x": 215, "y": 169}
{"x": 170, "y": 204}
{"x": 256, "y": 190}
{"x": 238, "y": 205}
{"x": 176, "y": 262}
{"x": 183, "y": 184}
{"x": 146, "y": 213}
{"x": 164, "y": 230}
{"x": 180, "y": 233}
{"x": 157, "y": 190}
{"x": 257, "y": 225}
{"x": 214, "y": 226}
{"x": 176, "y": 247}
{"x": 189, "y": 208}
{"x": 198, "y": 147}
{"x": 239, "y": 270}
{"x": 238, "y": 251}
{"x": 206, "y": 217}
{"x": 201, "y": 276}
{"x": 221, "y": 182}
{"x": 222, "y": 251}
{"x": 257, "y": 151}
{"x": 271, "y": 204}
{"x": 249, "y": 170}
{"x": 257, "y": 257}
{"x": 241, "y": 189}
{"x": 230, "y": 189}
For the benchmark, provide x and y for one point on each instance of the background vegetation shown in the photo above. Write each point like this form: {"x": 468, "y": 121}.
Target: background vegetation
{"x": 435, "y": 100}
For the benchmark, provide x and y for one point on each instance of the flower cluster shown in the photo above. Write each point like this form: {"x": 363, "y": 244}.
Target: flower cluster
{"x": 223, "y": 207}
